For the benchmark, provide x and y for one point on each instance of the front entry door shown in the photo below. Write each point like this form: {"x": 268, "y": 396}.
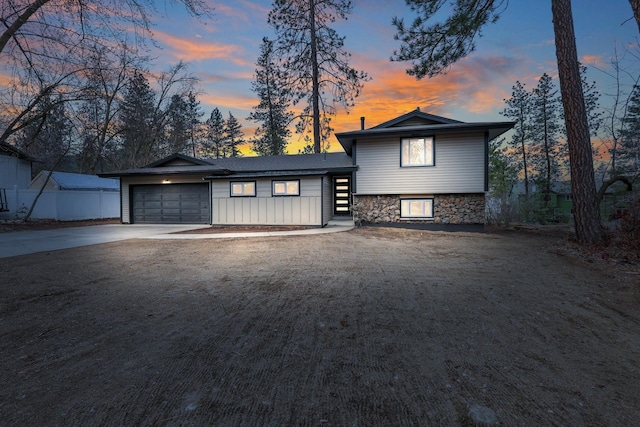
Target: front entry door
{"x": 341, "y": 195}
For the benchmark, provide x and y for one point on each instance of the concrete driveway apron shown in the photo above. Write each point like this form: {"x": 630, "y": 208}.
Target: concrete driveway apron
{"x": 28, "y": 242}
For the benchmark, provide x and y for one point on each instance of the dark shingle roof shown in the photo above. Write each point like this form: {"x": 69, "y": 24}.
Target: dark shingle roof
{"x": 258, "y": 166}
{"x": 416, "y": 116}
{"x": 166, "y": 170}
{"x": 322, "y": 161}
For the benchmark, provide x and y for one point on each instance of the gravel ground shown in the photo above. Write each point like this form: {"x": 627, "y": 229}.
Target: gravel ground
{"x": 372, "y": 327}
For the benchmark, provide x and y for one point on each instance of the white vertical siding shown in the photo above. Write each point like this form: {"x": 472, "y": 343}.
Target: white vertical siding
{"x": 14, "y": 172}
{"x": 459, "y": 167}
{"x": 264, "y": 209}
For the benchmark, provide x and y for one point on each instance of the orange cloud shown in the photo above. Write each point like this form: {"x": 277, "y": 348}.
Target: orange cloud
{"x": 475, "y": 85}
{"x": 489, "y": 99}
{"x": 6, "y": 79}
{"x": 200, "y": 50}
{"x": 224, "y": 101}
{"x": 593, "y": 61}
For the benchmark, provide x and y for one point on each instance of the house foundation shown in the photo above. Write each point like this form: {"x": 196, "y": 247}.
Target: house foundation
{"x": 447, "y": 209}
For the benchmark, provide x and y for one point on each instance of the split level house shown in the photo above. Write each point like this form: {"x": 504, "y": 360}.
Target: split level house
{"x": 415, "y": 168}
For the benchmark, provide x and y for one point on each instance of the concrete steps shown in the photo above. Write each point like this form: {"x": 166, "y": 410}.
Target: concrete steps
{"x": 346, "y": 221}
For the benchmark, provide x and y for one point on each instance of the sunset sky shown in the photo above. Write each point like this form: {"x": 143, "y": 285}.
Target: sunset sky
{"x": 222, "y": 52}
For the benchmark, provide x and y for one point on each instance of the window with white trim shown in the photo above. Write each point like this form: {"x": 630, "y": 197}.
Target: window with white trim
{"x": 416, "y": 152}
{"x": 243, "y": 189}
{"x": 286, "y": 188}
{"x": 416, "y": 208}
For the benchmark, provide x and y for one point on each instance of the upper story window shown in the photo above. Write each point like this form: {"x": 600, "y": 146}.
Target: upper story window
{"x": 416, "y": 152}
{"x": 243, "y": 189}
{"x": 286, "y": 188}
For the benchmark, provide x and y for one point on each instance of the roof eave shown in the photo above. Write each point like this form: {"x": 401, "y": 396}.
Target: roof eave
{"x": 282, "y": 173}
{"x": 495, "y": 129}
{"x": 161, "y": 171}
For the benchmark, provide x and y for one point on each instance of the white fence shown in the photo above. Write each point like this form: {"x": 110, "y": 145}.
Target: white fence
{"x": 63, "y": 205}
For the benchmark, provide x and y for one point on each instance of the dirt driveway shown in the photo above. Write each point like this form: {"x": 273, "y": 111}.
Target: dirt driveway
{"x": 373, "y": 327}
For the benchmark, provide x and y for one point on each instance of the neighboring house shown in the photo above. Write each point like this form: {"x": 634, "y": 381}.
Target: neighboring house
{"x": 614, "y": 201}
{"x": 65, "y": 181}
{"x": 67, "y": 197}
{"x": 417, "y": 167}
{"x": 561, "y": 201}
{"x": 15, "y": 171}
{"x": 15, "y": 167}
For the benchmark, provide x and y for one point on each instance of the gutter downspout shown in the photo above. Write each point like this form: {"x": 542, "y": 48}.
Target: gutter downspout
{"x": 486, "y": 161}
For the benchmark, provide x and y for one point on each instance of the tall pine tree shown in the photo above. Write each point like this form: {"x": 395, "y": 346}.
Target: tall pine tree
{"x": 234, "y": 137}
{"x": 215, "y": 138}
{"x": 137, "y": 119}
{"x": 315, "y": 61}
{"x": 629, "y": 151}
{"x": 546, "y": 128}
{"x": 177, "y": 124}
{"x": 272, "y": 112}
{"x": 193, "y": 115}
{"x": 519, "y": 109}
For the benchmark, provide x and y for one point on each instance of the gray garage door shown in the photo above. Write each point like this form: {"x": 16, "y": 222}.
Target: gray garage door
{"x": 170, "y": 204}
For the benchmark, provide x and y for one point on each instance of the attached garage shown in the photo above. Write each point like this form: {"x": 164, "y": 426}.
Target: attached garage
{"x": 187, "y": 203}
{"x": 263, "y": 190}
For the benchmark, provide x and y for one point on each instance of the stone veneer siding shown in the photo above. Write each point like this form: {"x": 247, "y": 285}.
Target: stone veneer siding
{"x": 447, "y": 209}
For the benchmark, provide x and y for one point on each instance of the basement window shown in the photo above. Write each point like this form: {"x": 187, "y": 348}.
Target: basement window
{"x": 416, "y": 208}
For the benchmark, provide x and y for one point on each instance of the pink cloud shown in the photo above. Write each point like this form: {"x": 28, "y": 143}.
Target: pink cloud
{"x": 594, "y": 61}
{"x": 6, "y": 79}
{"x": 227, "y": 101}
{"x": 476, "y": 85}
{"x": 200, "y": 50}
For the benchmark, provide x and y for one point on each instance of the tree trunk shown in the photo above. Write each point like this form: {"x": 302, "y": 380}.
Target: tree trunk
{"x": 524, "y": 157}
{"x": 315, "y": 78}
{"x": 526, "y": 173}
{"x": 11, "y": 30}
{"x": 547, "y": 195}
{"x": 585, "y": 207}
{"x": 635, "y": 5}
{"x": 608, "y": 183}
